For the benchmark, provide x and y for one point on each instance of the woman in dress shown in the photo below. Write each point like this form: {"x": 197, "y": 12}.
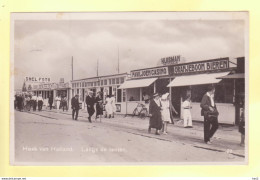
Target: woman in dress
{"x": 58, "y": 99}
{"x": 108, "y": 107}
{"x": 99, "y": 106}
{"x": 113, "y": 105}
{"x": 155, "y": 114}
{"x": 166, "y": 117}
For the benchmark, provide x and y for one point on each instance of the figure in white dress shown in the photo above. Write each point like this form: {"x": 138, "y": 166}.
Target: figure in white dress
{"x": 113, "y": 105}
{"x": 58, "y": 99}
{"x": 108, "y": 107}
{"x": 166, "y": 111}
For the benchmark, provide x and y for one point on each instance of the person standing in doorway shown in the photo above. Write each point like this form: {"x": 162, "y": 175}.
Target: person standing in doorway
{"x": 40, "y": 102}
{"x": 155, "y": 114}
{"x": 75, "y": 107}
{"x": 90, "y": 101}
{"x": 187, "y": 123}
{"x": 210, "y": 113}
{"x": 50, "y": 101}
{"x": 58, "y": 99}
{"x": 99, "y": 106}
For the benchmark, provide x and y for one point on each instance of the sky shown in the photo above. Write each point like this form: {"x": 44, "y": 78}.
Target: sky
{"x": 44, "y": 48}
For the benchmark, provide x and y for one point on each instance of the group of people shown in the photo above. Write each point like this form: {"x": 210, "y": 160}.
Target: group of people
{"x": 25, "y": 101}
{"x": 161, "y": 111}
{"x": 91, "y": 101}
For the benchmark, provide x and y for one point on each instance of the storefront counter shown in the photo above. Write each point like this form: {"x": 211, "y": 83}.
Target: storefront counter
{"x": 226, "y": 112}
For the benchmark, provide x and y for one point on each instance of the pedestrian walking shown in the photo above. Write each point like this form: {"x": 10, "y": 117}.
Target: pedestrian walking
{"x": 99, "y": 106}
{"x": 90, "y": 101}
{"x": 27, "y": 102}
{"x": 39, "y": 102}
{"x": 166, "y": 111}
{"x": 155, "y": 114}
{"x": 75, "y": 107}
{"x": 108, "y": 107}
{"x": 241, "y": 128}
{"x": 34, "y": 101}
{"x": 64, "y": 103}
{"x": 210, "y": 113}
{"x": 50, "y": 101}
{"x": 113, "y": 104}
{"x": 187, "y": 120}
{"x": 19, "y": 102}
{"x": 58, "y": 99}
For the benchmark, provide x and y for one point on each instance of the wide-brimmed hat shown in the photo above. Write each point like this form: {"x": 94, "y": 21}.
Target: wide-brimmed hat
{"x": 165, "y": 95}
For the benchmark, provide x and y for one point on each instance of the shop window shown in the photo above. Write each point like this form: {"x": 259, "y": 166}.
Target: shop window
{"x": 105, "y": 82}
{"x": 86, "y": 84}
{"x": 223, "y": 92}
{"x": 119, "y": 95}
{"x": 123, "y": 95}
{"x": 113, "y": 81}
{"x": 102, "y": 82}
{"x": 95, "y": 84}
{"x": 147, "y": 93}
{"x": 110, "y": 81}
{"x": 197, "y": 93}
{"x": 133, "y": 94}
{"x": 117, "y": 80}
{"x": 122, "y": 80}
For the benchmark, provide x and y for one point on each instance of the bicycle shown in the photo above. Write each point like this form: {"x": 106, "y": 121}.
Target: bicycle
{"x": 140, "y": 110}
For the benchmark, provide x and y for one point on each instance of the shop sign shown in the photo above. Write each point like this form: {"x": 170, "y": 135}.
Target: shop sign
{"x": 166, "y": 61}
{"x": 37, "y": 79}
{"x": 152, "y": 72}
{"x": 63, "y": 85}
{"x": 206, "y": 66}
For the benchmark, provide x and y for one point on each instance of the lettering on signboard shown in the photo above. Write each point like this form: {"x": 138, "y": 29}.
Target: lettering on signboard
{"x": 200, "y": 67}
{"x": 37, "y": 79}
{"x": 150, "y": 72}
{"x": 170, "y": 60}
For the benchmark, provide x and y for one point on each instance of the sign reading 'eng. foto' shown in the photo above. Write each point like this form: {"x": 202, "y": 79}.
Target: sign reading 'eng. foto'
{"x": 153, "y": 72}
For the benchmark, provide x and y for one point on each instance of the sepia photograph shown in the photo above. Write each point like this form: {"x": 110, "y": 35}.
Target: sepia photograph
{"x": 130, "y": 88}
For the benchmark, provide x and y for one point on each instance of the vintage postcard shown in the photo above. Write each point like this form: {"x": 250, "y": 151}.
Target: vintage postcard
{"x": 129, "y": 88}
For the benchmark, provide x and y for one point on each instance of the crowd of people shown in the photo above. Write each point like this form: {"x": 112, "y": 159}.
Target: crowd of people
{"x": 161, "y": 110}
{"x": 27, "y": 101}
{"x": 95, "y": 104}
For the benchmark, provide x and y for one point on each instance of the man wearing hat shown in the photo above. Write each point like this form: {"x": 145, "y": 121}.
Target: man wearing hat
{"x": 75, "y": 106}
{"x": 210, "y": 113}
{"x": 90, "y": 101}
{"x": 155, "y": 114}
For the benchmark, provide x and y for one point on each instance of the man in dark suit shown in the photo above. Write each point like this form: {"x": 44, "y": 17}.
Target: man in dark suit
{"x": 50, "y": 101}
{"x": 75, "y": 106}
{"x": 90, "y": 101}
{"x": 210, "y": 113}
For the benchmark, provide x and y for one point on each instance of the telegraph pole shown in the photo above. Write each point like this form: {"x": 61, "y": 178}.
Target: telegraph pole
{"x": 72, "y": 68}
{"x": 97, "y": 67}
{"x": 118, "y": 59}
